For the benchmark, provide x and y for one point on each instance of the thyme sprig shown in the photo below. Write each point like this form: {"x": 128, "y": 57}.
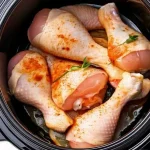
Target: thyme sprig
{"x": 131, "y": 38}
{"x": 84, "y": 65}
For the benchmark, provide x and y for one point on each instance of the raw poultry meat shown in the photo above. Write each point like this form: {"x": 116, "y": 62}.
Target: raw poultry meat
{"x": 78, "y": 89}
{"x": 127, "y": 48}
{"x": 96, "y": 127}
{"x": 88, "y": 15}
{"x": 63, "y": 33}
{"x": 30, "y": 83}
{"x": 60, "y": 33}
{"x": 51, "y": 58}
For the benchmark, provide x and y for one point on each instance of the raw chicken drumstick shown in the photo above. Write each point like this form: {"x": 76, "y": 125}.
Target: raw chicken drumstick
{"x": 127, "y": 48}
{"x": 96, "y": 127}
{"x": 60, "y": 33}
{"x": 30, "y": 83}
{"x": 78, "y": 89}
{"x": 88, "y": 15}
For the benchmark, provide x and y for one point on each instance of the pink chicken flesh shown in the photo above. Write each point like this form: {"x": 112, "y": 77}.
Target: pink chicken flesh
{"x": 130, "y": 56}
{"x": 96, "y": 127}
{"x": 60, "y": 33}
{"x": 30, "y": 83}
{"x": 80, "y": 89}
{"x": 88, "y": 15}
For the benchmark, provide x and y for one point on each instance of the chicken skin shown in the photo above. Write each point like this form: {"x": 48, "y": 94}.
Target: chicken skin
{"x": 49, "y": 32}
{"x": 30, "y": 83}
{"x": 96, "y": 127}
{"x": 128, "y": 49}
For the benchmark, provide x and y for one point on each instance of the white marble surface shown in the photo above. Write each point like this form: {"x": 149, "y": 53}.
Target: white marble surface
{"x": 5, "y": 145}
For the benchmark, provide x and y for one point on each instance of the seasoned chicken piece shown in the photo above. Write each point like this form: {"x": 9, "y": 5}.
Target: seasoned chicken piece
{"x": 88, "y": 15}
{"x": 60, "y": 33}
{"x": 96, "y": 127}
{"x": 80, "y": 88}
{"x": 127, "y": 48}
{"x": 30, "y": 83}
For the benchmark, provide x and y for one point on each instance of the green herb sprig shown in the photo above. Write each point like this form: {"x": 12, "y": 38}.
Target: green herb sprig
{"x": 131, "y": 38}
{"x": 85, "y": 65}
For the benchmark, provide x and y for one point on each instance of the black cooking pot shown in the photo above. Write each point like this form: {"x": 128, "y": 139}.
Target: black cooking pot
{"x": 15, "y": 18}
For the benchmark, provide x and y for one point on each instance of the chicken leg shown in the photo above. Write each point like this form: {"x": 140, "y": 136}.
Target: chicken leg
{"x": 88, "y": 15}
{"x": 127, "y": 48}
{"x": 30, "y": 83}
{"x": 96, "y": 127}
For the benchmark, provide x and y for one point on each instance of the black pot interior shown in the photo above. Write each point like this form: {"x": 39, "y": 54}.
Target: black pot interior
{"x": 14, "y": 38}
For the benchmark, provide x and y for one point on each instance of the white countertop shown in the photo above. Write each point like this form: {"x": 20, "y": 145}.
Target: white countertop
{"x": 5, "y": 145}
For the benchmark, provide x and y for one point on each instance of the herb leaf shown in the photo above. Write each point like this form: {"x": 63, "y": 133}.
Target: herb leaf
{"x": 131, "y": 38}
{"x": 85, "y": 65}
{"x": 74, "y": 68}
